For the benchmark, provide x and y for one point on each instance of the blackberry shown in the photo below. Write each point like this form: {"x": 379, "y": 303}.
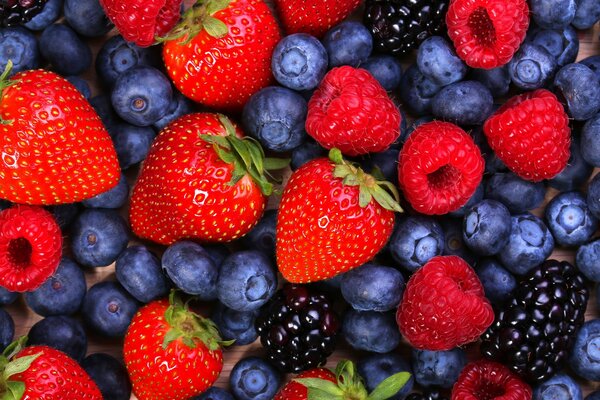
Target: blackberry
{"x": 534, "y": 332}
{"x": 399, "y": 26}
{"x": 298, "y": 328}
{"x": 426, "y": 396}
{"x": 16, "y": 12}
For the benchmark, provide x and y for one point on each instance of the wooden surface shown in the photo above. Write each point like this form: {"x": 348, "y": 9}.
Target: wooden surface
{"x": 25, "y": 318}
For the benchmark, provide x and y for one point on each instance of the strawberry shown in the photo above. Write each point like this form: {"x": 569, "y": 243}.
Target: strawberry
{"x": 53, "y": 146}
{"x": 332, "y": 217}
{"x": 220, "y": 54}
{"x": 170, "y": 352}
{"x": 43, "y": 373}
{"x": 201, "y": 180}
{"x": 313, "y": 16}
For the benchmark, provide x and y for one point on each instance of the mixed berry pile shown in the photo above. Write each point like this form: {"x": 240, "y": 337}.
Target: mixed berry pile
{"x": 299, "y": 176}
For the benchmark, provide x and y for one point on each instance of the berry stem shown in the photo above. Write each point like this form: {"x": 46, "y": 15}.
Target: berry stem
{"x": 5, "y": 83}
{"x": 14, "y": 390}
{"x": 198, "y": 18}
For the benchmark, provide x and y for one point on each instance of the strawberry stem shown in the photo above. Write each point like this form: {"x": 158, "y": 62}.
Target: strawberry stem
{"x": 14, "y": 390}
{"x": 5, "y": 83}
{"x": 198, "y": 18}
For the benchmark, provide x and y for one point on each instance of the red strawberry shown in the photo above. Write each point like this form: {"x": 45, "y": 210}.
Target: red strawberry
{"x": 210, "y": 188}
{"x": 332, "y": 217}
{"x": 488, "y": 380}
{"x": 142, "y": 21}
{"x": 487, "y": 33}
{"x": 294, "y": 390}
{"x": 220, "y": 54}
{"x": 530, "y": 133}
{"x": 170, "y": 352}
{"x": 30, "y": 247}
{"x": 313, "y": 16}
{"x": 53, "y": 146}
{"x": 351, "y": 111}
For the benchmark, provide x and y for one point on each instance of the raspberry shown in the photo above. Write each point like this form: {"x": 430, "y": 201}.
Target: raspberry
{"x": 444, "y": 305}
{"x": 30, "y": 247}
{"x": 440, "y": 167}
{"x": 351, "y": 111}
{"x": 487, "y": 33}
{"x": 530, "y": 133}
{"x": 489, "y": 380}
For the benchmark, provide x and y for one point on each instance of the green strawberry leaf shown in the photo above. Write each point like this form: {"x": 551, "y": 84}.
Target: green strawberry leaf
{"x": 240, "y": 147}
{"x": 364, "y": 197}
{"x": 215, "y": 27}
{"x": 19, "y": 365}
{"x": 322, "y": 385}
{"x": 14, "y": 391}
{"x": 273, "y": 164}
{"x": 171, "y": 336}
{"x": 214, "y": 6}
{"x": 316, "y": 394}
{"x": 389, "y": 386}
{"x": 257, "y": 156}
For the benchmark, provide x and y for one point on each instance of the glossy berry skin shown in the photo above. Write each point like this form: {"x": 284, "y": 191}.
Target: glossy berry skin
{"x": 480, "y": 378}
{"x": 464, "y": 103}
{"x": 583, "y": 359}
{"x": 139, "y": 271}
{"x": 416, "y": 239}
{"x": 235, "y": 325}
{"x": 532, "y": 67}
{"x": 559, "y": 386}
{"x": 544, "y": 13}
{"x": 348, "y": 43}
{"x": 49, "y": 14}
{"x": 113, "y": 198}
{"x": 108, "y": 309}
{"x": 579, "y": 86}
{"x": 86, "y": 17}
{"x": 109, "y": 374}
{"x": 486, "y": 227}
{"x": 386, "y": 69}
{"x": 81, "y": 85}
{"x": 497, "y": 281}
{"x": 62, "y": 333}
{"x": 417, "y": 91}
{"x": 374, "y": 368}
{"x": 563, "y": 45}
{"x": 92, "y": 166}
{"x": 587, "y": 258}
{"x": 7, "y": 329}
{"x": 438, "y": 368}
{"x": 370, "y": 331}
{"x": 438, "y": 61}
{"x": 439, "y": 168}
{"x": 314, "y": 17}
{"x": 372, "y": 287}
{"x": 65, "y": 50}
{"x": 296, "y": 391}
{"x": 517, "y": 194}
{"x": 20, "y": 46}
{"x": 253, "y": 378}
{"x": 570, "y": 220}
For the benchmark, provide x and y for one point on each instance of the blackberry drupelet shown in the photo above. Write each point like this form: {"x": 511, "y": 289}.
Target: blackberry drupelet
{"x": 534, "y": 332}
{"x": 298, "y": 328}
{"x": 399, "y": 26}
{"x": 16, "y": 12}
{"x": 426, "y": 396}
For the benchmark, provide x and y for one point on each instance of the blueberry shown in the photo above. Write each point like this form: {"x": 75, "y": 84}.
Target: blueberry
{"x": 570, "y": 220}
{"x": 587, "y": 14}
{"x": 593, "y": 63}
{"x": 214, "y": 393}
{"x": 577, "y": 171}
{"x": 414, "y": 125}
{"x": 552, "y": 14}
{"x": 454, "y": 244}
{"x": 62, "y": 293}
{"x": 235, "y": 325}
{"x": 517, "y": 194}
{"x": 417, "y": 91}
{"x": 497, "y": 281}
{"x": 98, "y": 236}
{"x": 593, "y": 196}
{"x": 474, "y": 199}
{"x": 587, "y": 260}
{"x": 262, "y": 236}
{"x": 386, "y": 162}
{"x": 372, "y": 287}
{"x": 87, "y": 17}
{"x": 50, "y": 13}
{"x": 532, "y": 67}
{"x": 113, "y": 198}
{"x": 20, "y": 46}
{"x": 386, "y": 69}
{"x": 415, "y": 241}
{"x": 142, "y": 95}
{"x": 486, "y": 227}
{"x": 191, "y": 269}
{"x": 593, "y": 396}
{"x": 590, "y": 141}
{"x": 530, "y": 243}
{"x": 348, "y": 43}
{"x": 375, "y": 368}
{"x": 7, "y": 329}
{"x": 492, "y": 163}
{"x": 81, "y": 85}
{"x": 180, "y": 106}
{"x": 108, "y": 309}
{"x": 585, "y": 355}
{"x": 276, "y": 117}
{"x": 64, "y": 214}
{"x": 132, "y": 143}
{"x": 217, "y": 253}
{"x": 68, "y": 54}
{"x": 559, "y": 387}
{"x": 465, "y": 103}
{"x": 139, "y": 271}
{"x": 253, "y": 378}
{"x": 438, "y": 61}
{"x": 579, "y": 87}
{"x": 438, "y": 368}
{"x": 103, "y": 106}
{"x": 109, "y": 374}
{"x": 299, "y": 62}
{"x": 247, "y": 280}
{"x": 307, "y": 151}
{"x": 562, "y": 44}
{"x": 371, "y": 331}
{"x": 497, "y": 80}
{"x": 7, "y": 297}
{"x": 62, "y": 333}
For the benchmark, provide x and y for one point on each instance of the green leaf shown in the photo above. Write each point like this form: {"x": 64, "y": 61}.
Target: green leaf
{"x": 364, "y": 197}
{"x": 15, "y": 391}
{"x": 241, "y": 149}
{"x": 265, "y": 186}
{"x": 257, "y": 157}
{"x": 19, "y": 365}
{"x": 224, "y": 155}
{"x": 321, "y": 384}
{"x": 16, "y": 346}
{"x": 226, "y": 122}
{"x": 390, "y": 386}
{"x": 351, "y": 180}
{"x": 273, "y": 164}
{"x": 336, "y": 156}
{"x": 189, "y": 342}
{"x": 385, "y": 200}
{"x": 341, "y": 171}
{"x": 316, "y": 394}
{"x": 215, "y": 27}
{"x": 171, "y": 336}
{"x": 216, "y": 139}
{"x": 214, "y": 6}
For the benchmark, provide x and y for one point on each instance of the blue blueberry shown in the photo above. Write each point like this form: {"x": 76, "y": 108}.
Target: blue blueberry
{"x": 81, "y": 85}
{"x": 438, "y": 61}
{"x": 7, "y": 329}
{"x": 68, "y": 54}
{"x": 593, "y": 63}
{"x": 486, "y": 227}
{"x": 530, "y": 243}
{"x": 438, "y": 368}
{"x": 587, "y": 14}
{"x": 103, "y": 106}
{"x": 142, "y": 95}
{"x": 474, "y": 199}
{"x": 559, "y": 387}
{"x": 417, "y": 91}
{"x": 214, "y": 393}
{"x": 587, "y": 260}
{"x": 276, "y": 117}
{"x": 62, "y": 333}
{"x": 191, "y": 269}
{"x": 371, "y": 331}
{"x": 386, "y": 69}
{"x": 132, "y": 143}
{"x": 98, "y": 236}
{"x": 585, "y": 355}
{"x": 465, "y": 103}
{"x": 497, "y": 281}
{"x": 577, "y": 171}
{"x": 562, "y": 44}
{"x": 415, "y": 241}
{"x": 139, "y": 271}
{"x": 497, "y": 80}
{"x": 552, "y": 14}
{"x": 7, "y": 297}
{"x": 590, "y": 141}
{"x": 375, "y": 368}
{"x": 62, "y": 293}
{"x": 492, "y": 163}
{"x": 235, "y": 325}
{"x": 108, "y": 309}
{"x": 593, "y": 396}
{"x": 593, "y": 196}
{"x": 517, "y": 194}
{"x": 262, "y": 236}
{"x": 386, "y": 162}
{"x": 65, "y": 214}
{"x": 109, "y": 374}
{"x": 50, "y": 13}
{"x": 87, "y": 17}
{"x": 532, "y": 67}
{"x": 20, "y": 46}
{"x": 372, "y": 287}
{"x": 299, "y": 62}
{"x": 113, "y": 198}
{"x": 217, "y": 253}
{"x": 247, "y": 280}
{"x": 578, "y": 86}
{"x": 180, "y": 106}
{"x": 570, "y": 220}
{"x": 253, "y": 378}
{"x": 307, "y": 151}
{"x": 348, "y": 43}
{"x": 454, "y": 244}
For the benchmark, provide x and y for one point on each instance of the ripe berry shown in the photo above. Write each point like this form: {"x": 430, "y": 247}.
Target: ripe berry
{"x": 487, "y": 380}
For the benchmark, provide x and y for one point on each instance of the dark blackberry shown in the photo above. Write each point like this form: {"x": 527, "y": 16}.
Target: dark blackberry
{"x": 426, "y": 396}
{"x": 399, "y": 26}
{"x": 298, "y": 327}
{"x": 16, "y": 12}
{"x": 534, "y": 332}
